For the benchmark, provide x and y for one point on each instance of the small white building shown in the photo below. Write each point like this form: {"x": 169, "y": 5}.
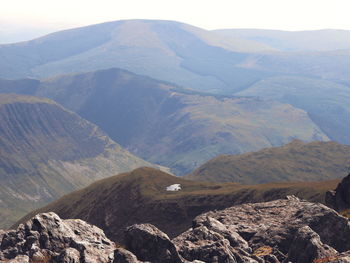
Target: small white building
{"x": 174, "y": 187}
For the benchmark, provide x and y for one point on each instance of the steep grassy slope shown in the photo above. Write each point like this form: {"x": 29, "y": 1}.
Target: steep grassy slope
{"x": 175, "y": 127}
{"x": 47, "y": 151}
{"x": 326, "y": 102}
{"x": 140, "y": 197}
{"x": 166, "y": 50}
{"x": 296, "y": 161}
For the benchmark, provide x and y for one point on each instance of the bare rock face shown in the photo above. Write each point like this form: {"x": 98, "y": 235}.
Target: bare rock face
{"x": 48, "y": 238}
{"x": 148, "y": 243}
{"x": 288, "y": 230}
{"x": 339, "y": 199}
{"x": 122, "y": 255}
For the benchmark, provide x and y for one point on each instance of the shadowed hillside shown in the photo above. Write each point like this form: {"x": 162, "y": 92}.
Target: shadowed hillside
{"x": 47, "y": 151}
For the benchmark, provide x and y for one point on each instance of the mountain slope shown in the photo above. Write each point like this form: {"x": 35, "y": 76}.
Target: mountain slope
{"x": 140, "y": 196}
{"x": 175, "y": 127}
{"x": 296, "y": 161}
{"x": 47, "y": 151}
{"x": 326, "y": 102}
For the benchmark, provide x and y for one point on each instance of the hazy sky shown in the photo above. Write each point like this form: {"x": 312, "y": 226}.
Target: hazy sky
{"x": 272, "y": 14}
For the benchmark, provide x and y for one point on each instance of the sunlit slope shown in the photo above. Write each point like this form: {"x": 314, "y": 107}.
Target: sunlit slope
{"x": 296, "y": 161}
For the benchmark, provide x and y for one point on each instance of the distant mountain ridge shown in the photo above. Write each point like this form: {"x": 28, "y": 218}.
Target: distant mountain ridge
{"x": 309, "y": 40}
{"x": 170, "y": 125}
{"x": 47, "y": 151}
{"x": 179, "y": 53}
{"x": 165, "y": 50}
{"x": 296, "y": 161}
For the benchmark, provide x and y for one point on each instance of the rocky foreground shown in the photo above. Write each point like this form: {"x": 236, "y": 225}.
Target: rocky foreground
{"x": 288, "y": 230}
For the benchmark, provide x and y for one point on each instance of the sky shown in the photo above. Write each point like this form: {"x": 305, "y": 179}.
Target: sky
{"x": 266, "y": 14}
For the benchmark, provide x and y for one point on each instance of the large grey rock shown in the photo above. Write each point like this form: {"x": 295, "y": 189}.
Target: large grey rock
{"x": 339, "y": 199}
{"x": 122, "y": 255}
{"x": 266, "y": 232}
{"x": 48, "y": 238}
{"x": 148, "y": 243}
{"x": 307, "y": 246}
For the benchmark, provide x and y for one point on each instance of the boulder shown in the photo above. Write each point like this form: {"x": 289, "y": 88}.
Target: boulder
{"x": 148, "y": 243}
{"x": 339, "y": 199}
{"x": 274, "y": 231}
{"x": 122, "y": 255}
{"x": 309, "y": 242}
{"x": 48, "y": 238}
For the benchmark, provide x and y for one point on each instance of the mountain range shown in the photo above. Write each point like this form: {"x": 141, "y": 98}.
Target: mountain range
{"x": 310, "y": 72}
{"x": 81, "y": 104}
{"x": 169, "y": 125}
{"x": 176, "y": 52}
{"x": 48, "y": 151}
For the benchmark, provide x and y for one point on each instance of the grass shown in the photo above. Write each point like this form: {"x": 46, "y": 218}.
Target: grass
{"x": 296, "y": 161}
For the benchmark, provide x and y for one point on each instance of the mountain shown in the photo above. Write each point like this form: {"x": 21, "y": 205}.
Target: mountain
{"x": 140, "y": 196}
{"x": 296, "y": 161}
{"x": 179, "y": 53}
{"x": 326, "y": 102}
{"x": 313, "y": 40}
{"x": 47, "y": 151}
{"x": 166, "y": 50}
{"x": 169, "y": 125}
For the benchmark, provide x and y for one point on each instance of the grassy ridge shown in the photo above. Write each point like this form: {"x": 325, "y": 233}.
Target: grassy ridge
{"x": 140, "y": 197}
{"x": 296, "y": 161}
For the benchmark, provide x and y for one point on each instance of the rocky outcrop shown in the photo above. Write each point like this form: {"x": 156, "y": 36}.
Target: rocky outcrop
{"x": 339, "y": 199}
{"x": 148, "y": 243}
{"x": 275, "y": 231}
{"x": 48, "y": 238}
{"x": 281, "y": 231}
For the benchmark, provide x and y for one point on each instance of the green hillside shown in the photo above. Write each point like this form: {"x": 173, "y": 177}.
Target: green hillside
{"x": 296, "y": 161}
